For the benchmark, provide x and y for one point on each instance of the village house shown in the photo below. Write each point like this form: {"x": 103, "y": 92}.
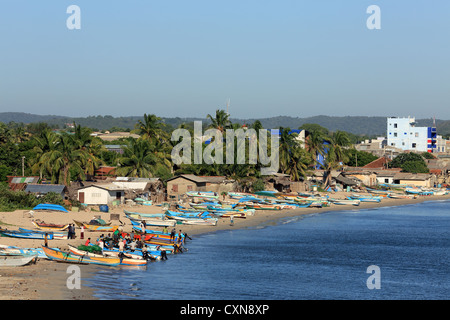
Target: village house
{"x": 415, "y": 179}
{"x": 179, "y": 185}
{"x": 145, "y": 188}
{"x": 101, "y": 194}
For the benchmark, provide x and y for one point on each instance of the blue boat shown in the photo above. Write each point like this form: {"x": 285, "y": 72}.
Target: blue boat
{"x": 25, "y": 234}
{"x": 51, "y": 207}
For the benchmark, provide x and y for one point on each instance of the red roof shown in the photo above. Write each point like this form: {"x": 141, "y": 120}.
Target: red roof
{"x": 378, "y": 163}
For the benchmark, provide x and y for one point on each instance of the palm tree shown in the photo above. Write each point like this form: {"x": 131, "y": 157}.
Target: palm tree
{"x": 151, "y": 127}
{"x": 221, "y": 121}
{"x": 138, "y": 159}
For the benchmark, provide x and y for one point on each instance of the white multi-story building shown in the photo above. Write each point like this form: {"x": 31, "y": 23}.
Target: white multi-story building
{"x": 403, "y": 134}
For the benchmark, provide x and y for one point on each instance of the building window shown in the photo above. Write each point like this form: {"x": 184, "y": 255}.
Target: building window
{"x": 395, "y": 125}
{"x": 386, "y": 180}
{"x": 417, "y": 134}
{"x": 414, "y": 145}
{"x": 189, "y": 187}
{"x": 175, "y": 188}
{"x": 395, "y": 134}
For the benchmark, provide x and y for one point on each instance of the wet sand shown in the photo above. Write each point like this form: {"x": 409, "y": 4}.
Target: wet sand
{"x": 46, "y": 280}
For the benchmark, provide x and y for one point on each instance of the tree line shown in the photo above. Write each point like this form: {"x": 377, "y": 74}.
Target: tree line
{"x": 64, "y": 156}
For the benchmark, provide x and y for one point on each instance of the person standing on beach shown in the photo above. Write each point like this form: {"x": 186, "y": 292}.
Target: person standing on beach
{"x": 172, "y": 234}
{"x": 231, "y": 220}
{"x": 46, "y": 240}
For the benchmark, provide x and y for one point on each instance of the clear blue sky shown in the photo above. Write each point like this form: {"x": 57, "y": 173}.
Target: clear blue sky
{"x": 186, "y": 58}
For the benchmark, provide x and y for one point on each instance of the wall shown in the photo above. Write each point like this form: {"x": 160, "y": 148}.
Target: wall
{"x": 98, "y": 196}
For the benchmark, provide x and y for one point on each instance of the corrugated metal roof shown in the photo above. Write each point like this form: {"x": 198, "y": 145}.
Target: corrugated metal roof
{"x": 45, "y": 188}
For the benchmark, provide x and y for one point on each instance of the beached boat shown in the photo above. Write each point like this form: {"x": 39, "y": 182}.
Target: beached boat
{"x": 49, "y": 226}
{"x": 365, "y": 199}
{"x": 126, "y": 261}
{"x": 99, "y": 222}
{"x": 25, "y": 235}
{"x": 138, "y": 215}
{"x": 91, "y": 227}
{"x": 16, "y": 259}
{"x": 13, "y": 249}
{"x": 50, "y": 207}
{"x": 345, "y": 202}
{"x": 401, "y": 196}
{"x": 203, "y": 194}
{"x": 155, "y": 222}
{"x": 60, "y": 256}
{"x": 57, "y": 235}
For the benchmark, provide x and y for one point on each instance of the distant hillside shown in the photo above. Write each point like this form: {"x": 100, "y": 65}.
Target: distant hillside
{"x": 356, "y": 125}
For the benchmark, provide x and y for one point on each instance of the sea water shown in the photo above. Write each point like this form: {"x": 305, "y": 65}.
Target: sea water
{"x": 317, "y": 256}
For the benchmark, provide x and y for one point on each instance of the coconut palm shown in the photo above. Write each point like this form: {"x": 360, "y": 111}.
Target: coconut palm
{"x": 221, "y": 121}
{"x": 151, "y": 127}
{"x": 138, "y": 159}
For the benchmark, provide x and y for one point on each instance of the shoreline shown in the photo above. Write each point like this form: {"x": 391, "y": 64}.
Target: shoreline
{"x": 46, "y": 280}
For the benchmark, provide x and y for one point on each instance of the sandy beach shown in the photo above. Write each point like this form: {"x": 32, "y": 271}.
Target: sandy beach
{"x": 46, "y": 280}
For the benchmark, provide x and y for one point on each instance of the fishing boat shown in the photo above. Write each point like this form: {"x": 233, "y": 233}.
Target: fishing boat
{"x": 155, "y": 234}
{"x": 154, "y": 222}
{"x": 16, "y": 259}
{"x": 49, "y": 226}
{"x": 99, "y": 222}
{"x": 60, "y": 256}
{"x": 401, "y": 196}
{"x": 50, "y": 207}
{"x": 138, "y": 215}
{"x": 13, "y": 249}
{"x": 91, "y": 227}
{"x": 203, "y": 194}
{"x": 57, "y": 235}
{"x": 344, "y": 202}
{"x": 127, "y": 261}
{"x": 25, "y": 235}
{"x": 365, "y": 199}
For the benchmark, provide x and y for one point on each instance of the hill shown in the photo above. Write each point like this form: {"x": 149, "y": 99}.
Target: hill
{"x": 357, "y": 125}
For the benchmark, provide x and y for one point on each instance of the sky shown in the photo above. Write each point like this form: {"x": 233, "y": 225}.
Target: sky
{"x": 178, "y": 58}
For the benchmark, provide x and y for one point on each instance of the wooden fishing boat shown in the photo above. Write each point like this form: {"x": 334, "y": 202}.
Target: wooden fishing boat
{"x": 57, "y": 235}
{"x": 99, "y": 222}
{"x": 262, "y": 206}
{"x": 12, "y": 249}
{"x": 150, "y": 234}
{"x": 26, "y": 235}
{"x": 60, "y": 256}
{"x": 127, "y": 261}
{"x": 50, "y": 207}
{"x": 138, "y": 215}
{"x": 345, "y": 202}
{"x": 365, "y": 199}
{"x": 203, "y": 194}
{"x": 401, "y": 196}
{"x": 91, "y": 227}
{"x": 16, "y": 259}
{"x": 154, "y": 222}
{"x": 49, "y": 226}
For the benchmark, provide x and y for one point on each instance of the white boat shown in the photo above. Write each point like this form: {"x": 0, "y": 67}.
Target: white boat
{"x": 206, "y": 222}
{"x": 15, "y": 259}
{"x": 345, "y": 201}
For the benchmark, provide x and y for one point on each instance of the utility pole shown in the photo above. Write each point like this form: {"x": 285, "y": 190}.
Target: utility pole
{"x": 23, "y": 166}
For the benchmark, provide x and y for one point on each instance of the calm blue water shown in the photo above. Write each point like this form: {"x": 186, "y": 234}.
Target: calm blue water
{"x": 320, "y": 256}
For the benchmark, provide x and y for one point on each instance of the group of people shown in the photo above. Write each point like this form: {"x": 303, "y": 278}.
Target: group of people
{"x": 71, "y": 231}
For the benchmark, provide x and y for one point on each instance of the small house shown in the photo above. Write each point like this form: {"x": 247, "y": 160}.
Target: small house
{"x": 100, "y": 194}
